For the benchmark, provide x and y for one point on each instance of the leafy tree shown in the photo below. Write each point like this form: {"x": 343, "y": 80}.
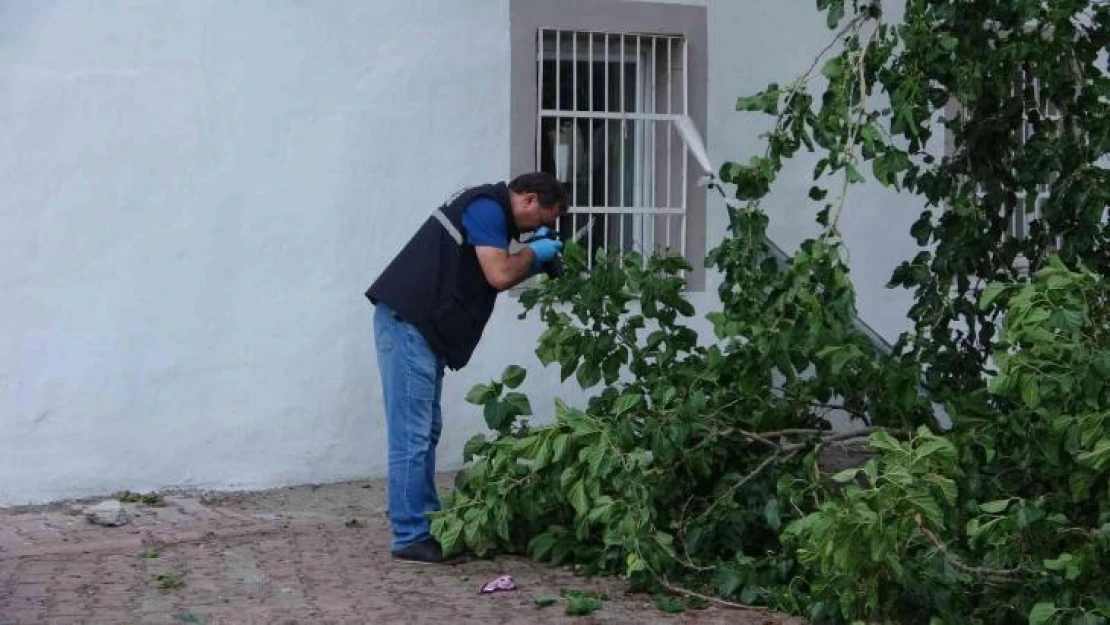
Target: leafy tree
{"x": 700, "y": 465}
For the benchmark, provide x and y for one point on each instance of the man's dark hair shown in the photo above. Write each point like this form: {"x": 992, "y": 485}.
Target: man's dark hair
{"x": 549, "y": 190}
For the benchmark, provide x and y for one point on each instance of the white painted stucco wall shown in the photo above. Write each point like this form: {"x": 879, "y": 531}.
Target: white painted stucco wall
{"x": 752, "y": 45}
{"x": 193, "y": 197}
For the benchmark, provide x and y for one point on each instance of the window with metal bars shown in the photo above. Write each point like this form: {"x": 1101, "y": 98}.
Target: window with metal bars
{"x": 606, "y": 106}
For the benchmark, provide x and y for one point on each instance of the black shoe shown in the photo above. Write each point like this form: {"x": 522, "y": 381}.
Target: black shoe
{"x": 427, "y": 550}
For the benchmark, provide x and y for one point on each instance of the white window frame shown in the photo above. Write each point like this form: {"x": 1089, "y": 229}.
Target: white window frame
{"x": 655, "y": 199}
{"x": 630, "y": 18}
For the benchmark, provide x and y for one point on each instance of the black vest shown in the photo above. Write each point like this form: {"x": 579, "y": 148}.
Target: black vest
{"x": 436, "y": 284}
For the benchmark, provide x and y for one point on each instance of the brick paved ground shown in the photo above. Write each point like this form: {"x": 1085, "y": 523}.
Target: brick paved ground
{"x": 300, "y": 555}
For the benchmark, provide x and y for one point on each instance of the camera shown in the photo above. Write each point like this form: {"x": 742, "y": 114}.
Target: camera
{"x": 554, "y": 267}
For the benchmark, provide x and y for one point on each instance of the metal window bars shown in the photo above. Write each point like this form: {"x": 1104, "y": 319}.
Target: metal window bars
{"x": 606, "y": 106}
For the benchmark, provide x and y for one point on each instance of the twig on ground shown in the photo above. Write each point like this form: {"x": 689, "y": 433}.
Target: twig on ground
{"x": 715, "y": 600}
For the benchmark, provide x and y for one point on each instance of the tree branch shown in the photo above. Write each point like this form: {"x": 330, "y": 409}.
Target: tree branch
{"x": 731, "y": 492}
{"x": 714, "y": 600}
{"x": 756, "y": 437}
{"x": 1007, "y": 575}
{"x": 688, "y": 562}
{"x": 851, "y": 411}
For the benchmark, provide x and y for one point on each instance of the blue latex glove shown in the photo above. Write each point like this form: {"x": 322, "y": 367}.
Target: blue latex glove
{"x": 541, "y": 232}
{"x": 544, "y": 250}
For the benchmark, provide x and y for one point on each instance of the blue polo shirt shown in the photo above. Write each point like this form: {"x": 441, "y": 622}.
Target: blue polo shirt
{"x": 484, "y": 221}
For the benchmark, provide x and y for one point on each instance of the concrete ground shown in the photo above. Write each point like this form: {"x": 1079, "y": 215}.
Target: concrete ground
{"x": 310, "y": 554}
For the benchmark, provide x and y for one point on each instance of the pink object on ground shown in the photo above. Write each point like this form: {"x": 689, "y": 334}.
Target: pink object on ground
{"x": 505, "y": 582}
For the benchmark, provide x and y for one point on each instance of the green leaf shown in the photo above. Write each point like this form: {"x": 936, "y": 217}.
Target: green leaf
{"x": 836, "y": 13}
{"x": 1001, "y": 385}
{"x": 854, "y": 176}
{"x": 588, "y": 375}
{"x": 1101, "y": 362}
{"x": 634, "y": 563}
{"x": 883, "y": 441}
{"x": 540, "y": 546}
{"x": 578, "y": 498}
{"x": 626, "y": 402}
{"x": 1067, "y": 563}
{"x": 479, "y": 394}
{"x": 611, "y": 368}
{"x": 543, "y": 456}
{"x": 474, "y": 446}
{"x": 1042, "y": 613}
{"x": 726, "y": 579}
{"x": 501, "y": 521}
{"x": 935, "y": 445}
{"x": 602, "y": 510}
{"x": 1031, "y": 391}
{"x": 513, "y": 376}
{"x": 669, "y": 605}
{"x": 995, "y": 507}
{"x": 839, "y": 357}
{"x": 582, "y": 605}
{"x": 517, "y": 404}
{"x": 991, "y": 293}
{"x": 471, "y": 528}
{"x": 922, "y": 229}
{"x": 928, "y": 507}
{"x": 766, "y": 101}
{"x": 834, "y": 68}
{"x": 1098, "y": 458}
{"x": 559, "y": 447}
{"x": 496, "y": 416}
{"x": 452, "y": 533}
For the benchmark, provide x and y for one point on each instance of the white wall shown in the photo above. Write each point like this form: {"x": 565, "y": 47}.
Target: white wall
{"x": 194, "y": 197}
{"x": 753, "y": 44}
{"x": 196, "y": 194}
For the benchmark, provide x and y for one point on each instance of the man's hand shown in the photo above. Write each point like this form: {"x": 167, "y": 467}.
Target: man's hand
{"x": 544, "y": 250}
{"x": 503, "y": 270}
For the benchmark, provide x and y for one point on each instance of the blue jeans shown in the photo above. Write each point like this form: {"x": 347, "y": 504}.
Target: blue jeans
{"x": 412, "y": 382}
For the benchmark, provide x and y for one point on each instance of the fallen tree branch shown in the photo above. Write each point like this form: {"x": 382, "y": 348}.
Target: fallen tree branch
{"x": 847, "y": 436}
{"x": 852, "y": 411}
{"x": 1007, "y": 575}
{"x": 688, "y": 561}
{"x": 826, "y": 437}
{"x": 731, "y": 492}
{"x": 711, "y": 599}
{"x": 760, "y": 438}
